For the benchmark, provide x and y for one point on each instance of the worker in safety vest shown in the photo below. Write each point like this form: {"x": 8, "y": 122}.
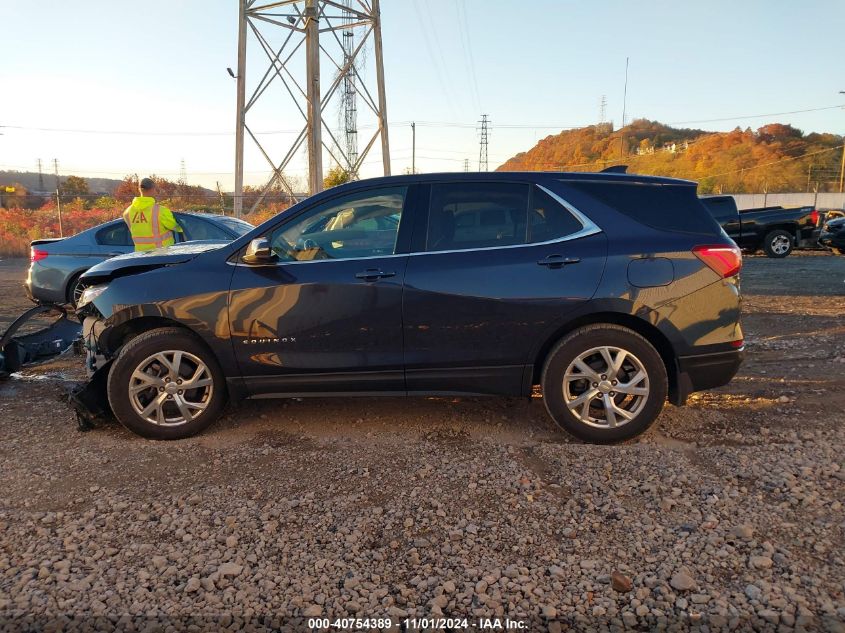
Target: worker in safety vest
{"x": 151, "y": 225}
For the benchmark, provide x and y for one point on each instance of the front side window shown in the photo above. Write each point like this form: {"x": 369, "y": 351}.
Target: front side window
{"x": 363, "y": 224}
{"x": 476, "y": 215}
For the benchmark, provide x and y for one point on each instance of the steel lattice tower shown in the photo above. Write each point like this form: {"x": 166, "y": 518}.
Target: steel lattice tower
{"x": 482, "y": 150}
{"x": 284, "y": 28}
{"x": 350, "y": 109}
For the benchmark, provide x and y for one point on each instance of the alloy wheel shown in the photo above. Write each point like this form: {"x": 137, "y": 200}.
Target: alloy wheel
{"x": 605, "y": 387}
{"x": 780, "y": 245}
{"x": 170, "y": 388}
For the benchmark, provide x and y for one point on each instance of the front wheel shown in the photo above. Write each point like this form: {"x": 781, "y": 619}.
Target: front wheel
{"x": 166, "y": 385}
{"x": 604, "y": 383}
{"x": 777, "y": 244}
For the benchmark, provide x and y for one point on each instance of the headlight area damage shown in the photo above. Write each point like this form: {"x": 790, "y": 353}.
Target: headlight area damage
{"x": 90, "y": 400}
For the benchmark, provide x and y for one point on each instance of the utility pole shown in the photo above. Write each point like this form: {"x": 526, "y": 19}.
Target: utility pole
{"x": 842, "y": 167}
{"x": 482, "y": 149}
{"x": 40, "y": 177}
{"x": 413, "y": 147}
{"x": 382, "y": 95}
{"x": 222, "y": 199}
{"x": 58, "y": 196}
{"x": 322, "y": 29}
{"x": 59, "y": 209}
{"x": 624, "y": 106}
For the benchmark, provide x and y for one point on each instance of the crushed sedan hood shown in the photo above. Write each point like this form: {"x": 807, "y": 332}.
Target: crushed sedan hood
{"x": 147, "y": 260}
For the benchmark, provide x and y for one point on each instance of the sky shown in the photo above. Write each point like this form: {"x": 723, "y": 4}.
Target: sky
{"x": 124, "y": 87}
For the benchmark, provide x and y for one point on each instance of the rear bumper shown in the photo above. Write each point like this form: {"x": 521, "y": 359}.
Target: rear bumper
{"x": 706, "y": 371}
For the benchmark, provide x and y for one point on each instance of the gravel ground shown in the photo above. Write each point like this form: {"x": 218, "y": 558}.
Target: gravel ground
{"x": 727, "y": 515}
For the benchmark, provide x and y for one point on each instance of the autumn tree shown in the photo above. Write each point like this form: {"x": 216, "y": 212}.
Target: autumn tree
{"x": 73, "y": 187}
{"x": 336, "y": 176}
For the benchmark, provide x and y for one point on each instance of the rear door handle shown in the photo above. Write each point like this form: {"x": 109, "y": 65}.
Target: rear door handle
{"x": 372, "y": 274}
{"x": 558, "y": 261}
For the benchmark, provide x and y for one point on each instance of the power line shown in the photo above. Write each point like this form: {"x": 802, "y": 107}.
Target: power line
{"x": 466, "y": 45}
{"x": 446, "y": 124}
{"x": 756, "y": 116}
{"x": 775, "y": 162}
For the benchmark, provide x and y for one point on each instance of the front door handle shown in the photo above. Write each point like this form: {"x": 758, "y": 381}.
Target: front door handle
{"x": 558, "y": 261}
{"x": 372, "y": 274}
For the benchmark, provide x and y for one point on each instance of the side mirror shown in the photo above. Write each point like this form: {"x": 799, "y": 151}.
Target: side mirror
{"x": 259, "y": 252}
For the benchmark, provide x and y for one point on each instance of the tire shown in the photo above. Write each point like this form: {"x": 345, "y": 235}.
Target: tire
{"x": 135, "y": 405}
{"x": 777, "y": 244}
{"x": 561, "y": 384}
{"x": 74, "y": 291}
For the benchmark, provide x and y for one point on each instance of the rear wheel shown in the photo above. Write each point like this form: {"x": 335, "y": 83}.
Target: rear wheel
{"x": 166, "y": 385}
{"x": 777, "y": 244}
{"x": 604, "y": 383}
{"x": 74, "y": 290}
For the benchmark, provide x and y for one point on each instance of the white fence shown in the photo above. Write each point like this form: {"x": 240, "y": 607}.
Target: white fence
{"x": 820, "y": 201}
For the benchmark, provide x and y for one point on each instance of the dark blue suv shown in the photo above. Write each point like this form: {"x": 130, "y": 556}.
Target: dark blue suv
{"x": 612, "y": 292}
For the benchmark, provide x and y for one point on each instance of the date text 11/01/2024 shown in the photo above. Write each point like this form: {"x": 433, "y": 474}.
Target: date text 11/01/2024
{"x": 417, "y": 624}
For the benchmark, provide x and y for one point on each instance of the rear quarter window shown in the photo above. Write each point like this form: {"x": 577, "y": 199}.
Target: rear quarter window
{"x": 663, "y": 207}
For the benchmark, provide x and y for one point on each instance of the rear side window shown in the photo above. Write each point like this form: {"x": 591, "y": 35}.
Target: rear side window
{"x": 198, "y": 229}
{"x": 722, "y": 209}
{"x": 548, "y": 220}
{"x": 116, "y": 234}
{"x": 664, "y": 207}
{"x": 476, "y": 215}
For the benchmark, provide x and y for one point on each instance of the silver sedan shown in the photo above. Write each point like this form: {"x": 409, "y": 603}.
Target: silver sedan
{"x": 56, "y": 264}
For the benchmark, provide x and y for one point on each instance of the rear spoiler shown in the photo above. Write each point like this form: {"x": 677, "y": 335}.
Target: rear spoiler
{"x": 615, "y": 169}
{"x": 46, "y": 240}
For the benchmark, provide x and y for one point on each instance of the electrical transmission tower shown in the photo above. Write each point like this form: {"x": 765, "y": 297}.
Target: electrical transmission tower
{"x": 56, "y": 170}
{"x": 482, "y": 150}
{"x": 183, "y": 172}
{"x": 466, "y": 164}
{"x": 40, "y": 177}
{"x": 603, "y": 109}
{"x": 349, "y": 107}
{"x": 296, "y": 36}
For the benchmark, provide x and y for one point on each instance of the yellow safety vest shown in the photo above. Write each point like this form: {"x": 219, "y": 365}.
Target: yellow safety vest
{"x": 146, "y": 228}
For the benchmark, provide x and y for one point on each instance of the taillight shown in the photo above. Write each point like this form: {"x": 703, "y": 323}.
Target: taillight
{"x": 814, "y": 217}
{"x": 738, "y": 344}
{"x": 36, "y": 255}
{"x": 725, "y": 261}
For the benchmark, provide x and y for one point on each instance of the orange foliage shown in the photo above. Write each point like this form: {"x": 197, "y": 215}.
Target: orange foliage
{"x": 776, "y": 156}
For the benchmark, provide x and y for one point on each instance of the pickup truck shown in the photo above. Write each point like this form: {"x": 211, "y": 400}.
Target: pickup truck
{"x": 774, "y": 230}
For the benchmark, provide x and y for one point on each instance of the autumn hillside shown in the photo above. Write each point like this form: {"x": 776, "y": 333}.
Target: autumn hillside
{"x": 776, "y": 156}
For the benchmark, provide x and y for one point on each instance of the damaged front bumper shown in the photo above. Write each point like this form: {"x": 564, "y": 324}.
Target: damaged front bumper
{"x": 95, "y": 359}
